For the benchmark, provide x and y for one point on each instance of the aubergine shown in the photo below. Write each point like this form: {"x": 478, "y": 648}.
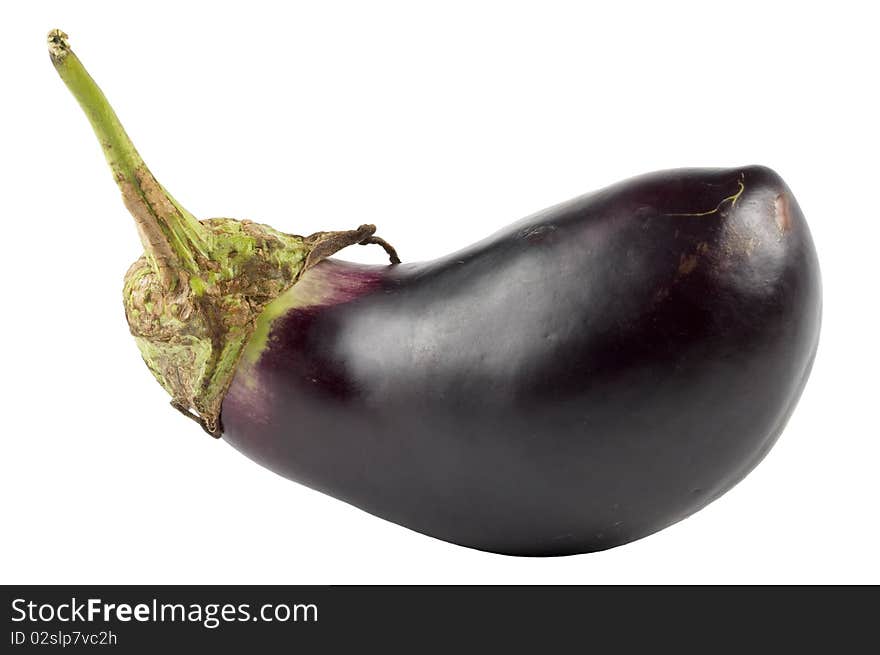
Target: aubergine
{"x": 581, "y": 379}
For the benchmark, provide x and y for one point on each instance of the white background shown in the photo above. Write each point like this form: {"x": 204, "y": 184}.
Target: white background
{"x": 466, "y": 115}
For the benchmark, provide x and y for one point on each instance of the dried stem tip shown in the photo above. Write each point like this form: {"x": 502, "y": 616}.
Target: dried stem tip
{"x": 58, "y": 46}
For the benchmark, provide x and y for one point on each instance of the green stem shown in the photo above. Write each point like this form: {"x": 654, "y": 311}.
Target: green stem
{"x": 174, "y": 240}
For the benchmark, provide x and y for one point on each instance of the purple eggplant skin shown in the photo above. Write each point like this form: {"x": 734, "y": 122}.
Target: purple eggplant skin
{"x": 581, "y": 379}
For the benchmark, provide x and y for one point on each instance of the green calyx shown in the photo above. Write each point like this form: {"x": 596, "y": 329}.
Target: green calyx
{"x": 192, "y": 300}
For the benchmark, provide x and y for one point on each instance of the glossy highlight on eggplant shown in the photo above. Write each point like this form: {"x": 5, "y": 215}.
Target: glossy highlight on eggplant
{"x": 580, "y": 379}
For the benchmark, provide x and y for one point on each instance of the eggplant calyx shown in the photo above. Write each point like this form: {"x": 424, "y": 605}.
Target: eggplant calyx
{"x": 193, "y": 298}
{"x": 192, "y": 336}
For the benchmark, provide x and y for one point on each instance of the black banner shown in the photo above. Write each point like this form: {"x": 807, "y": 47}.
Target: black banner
{"x": 145, "y": 619}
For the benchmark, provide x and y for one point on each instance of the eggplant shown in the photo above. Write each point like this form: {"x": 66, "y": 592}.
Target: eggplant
{"x": 583, "y": 378}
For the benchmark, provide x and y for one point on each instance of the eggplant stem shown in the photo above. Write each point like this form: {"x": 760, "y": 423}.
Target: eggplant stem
{"x": 193, "y": 299}
{"x": 174, "y": 240}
